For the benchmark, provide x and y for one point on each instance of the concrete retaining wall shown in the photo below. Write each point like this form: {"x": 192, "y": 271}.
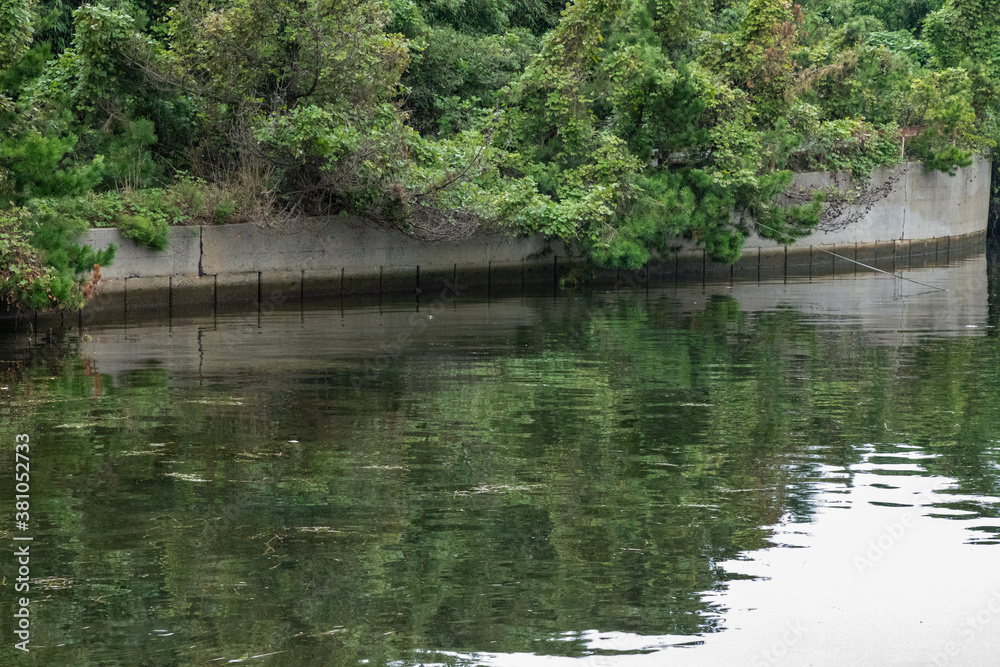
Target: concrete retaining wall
{"x": 921, "y": 205}
{"x": 927, "y": 215}
{"x": 323, "y": 255}
{"x": 869, "y": 303}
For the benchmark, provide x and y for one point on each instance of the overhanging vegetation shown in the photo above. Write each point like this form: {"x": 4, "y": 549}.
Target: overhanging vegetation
{"x": 444, "y": 118}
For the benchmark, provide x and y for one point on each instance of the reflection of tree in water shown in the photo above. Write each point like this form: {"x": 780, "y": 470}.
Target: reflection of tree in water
{"x": 590, "y": 471}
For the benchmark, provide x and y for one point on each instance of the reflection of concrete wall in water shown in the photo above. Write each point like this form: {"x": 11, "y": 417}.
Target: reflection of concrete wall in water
{"x": 356, "y": 340}
{"x": 927, "y": 218}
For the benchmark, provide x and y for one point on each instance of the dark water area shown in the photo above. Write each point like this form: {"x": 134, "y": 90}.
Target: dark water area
{"x": 775, "y": 473}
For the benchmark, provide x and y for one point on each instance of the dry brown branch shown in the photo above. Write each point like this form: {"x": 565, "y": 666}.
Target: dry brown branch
{"x": 805, "y": 79}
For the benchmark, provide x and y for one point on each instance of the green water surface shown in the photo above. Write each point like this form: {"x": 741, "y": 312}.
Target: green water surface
{"x": 660, "y": 476}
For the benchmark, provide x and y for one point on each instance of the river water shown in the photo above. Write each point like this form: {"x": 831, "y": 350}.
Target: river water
{"x": 778, "y": 473}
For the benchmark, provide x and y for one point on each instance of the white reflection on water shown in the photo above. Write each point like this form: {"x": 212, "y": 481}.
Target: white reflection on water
{"x": 884, "y": 576}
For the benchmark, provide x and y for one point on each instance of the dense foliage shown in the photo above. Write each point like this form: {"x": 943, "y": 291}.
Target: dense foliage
{"x": 617, "y": 125}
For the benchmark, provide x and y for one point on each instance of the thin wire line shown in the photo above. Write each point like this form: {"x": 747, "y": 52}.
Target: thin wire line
{"x": 873, "y": 268}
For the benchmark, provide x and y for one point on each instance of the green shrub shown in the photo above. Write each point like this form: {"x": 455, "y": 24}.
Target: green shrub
{"x": 143, "y": 215}
{"x": 41, "y": 264}
{"x": 145, "y": 230}
{"x": 902, "y": 41}
{"x": 224, "y": 211}
{"x": 188, "y": 194}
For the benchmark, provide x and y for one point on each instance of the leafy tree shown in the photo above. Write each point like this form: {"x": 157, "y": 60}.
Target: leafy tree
{"x": 16, "y": 30}
{"x": 455, "y": 77}
{"x": 946, "y": 101}
{"x": 894, "y": 15}
{"x": 286, "y": 52}
{"x": 758, "y": 57}
{"x": 966, "y": 31}
{"x": 616, "y": 125}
